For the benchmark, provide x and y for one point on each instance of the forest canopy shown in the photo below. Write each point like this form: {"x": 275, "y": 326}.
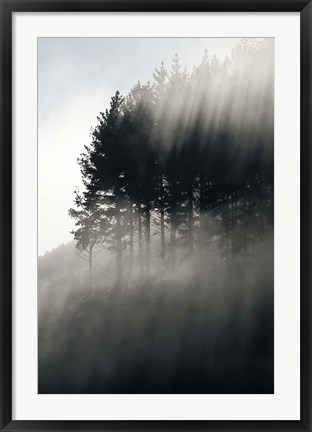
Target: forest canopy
{"x": 181, "y": 163}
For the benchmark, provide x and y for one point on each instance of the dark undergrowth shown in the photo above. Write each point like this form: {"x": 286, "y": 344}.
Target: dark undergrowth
{"x": 163, "y": 335}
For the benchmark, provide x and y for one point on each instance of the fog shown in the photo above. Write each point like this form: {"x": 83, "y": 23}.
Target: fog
{"x": 233, "y": 97}
{"x": 76, "y": 78}
{"x": 168, "y": 285}
{"x": 200, "y": 328}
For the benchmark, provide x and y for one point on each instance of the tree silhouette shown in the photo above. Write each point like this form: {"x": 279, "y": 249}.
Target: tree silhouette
{"x": 190, "y": 155}
{"x": 92, "y": 230}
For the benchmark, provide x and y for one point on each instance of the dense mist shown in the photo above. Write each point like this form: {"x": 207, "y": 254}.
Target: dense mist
{"x": 169, "y": 284}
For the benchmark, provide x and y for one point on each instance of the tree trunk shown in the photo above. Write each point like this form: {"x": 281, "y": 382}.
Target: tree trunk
{"x": 162, "y": 233}
{"x": 148, "y": 236}
{"x": 227, "y": 230}
{"x": 90, "y": 268}
{"x": 201, "y": 202}
{"x": 118, "y": 240}
{"x": 234, "y": 245}
{"x": 140, "y": 239}
{"x": 131, "y": 235}
{"x": 190, "y": 218}
{"x": 172, "y": 239}
{"x": 244, "y": 234}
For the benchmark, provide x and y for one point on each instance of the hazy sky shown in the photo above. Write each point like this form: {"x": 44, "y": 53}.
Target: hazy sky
{"x": 76, "y": 79}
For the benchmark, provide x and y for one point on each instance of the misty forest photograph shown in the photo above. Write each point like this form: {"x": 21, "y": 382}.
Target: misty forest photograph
{"x": 155, "y": 215}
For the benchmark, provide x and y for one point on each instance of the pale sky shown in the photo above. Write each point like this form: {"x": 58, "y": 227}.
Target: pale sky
{"x": 76, "y": 79}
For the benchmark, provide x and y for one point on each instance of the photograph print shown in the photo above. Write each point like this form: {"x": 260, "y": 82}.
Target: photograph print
{"x": 155, "y": 215}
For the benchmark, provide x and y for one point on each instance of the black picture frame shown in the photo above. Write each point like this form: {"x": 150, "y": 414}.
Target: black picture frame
{"x": 7, "y": 8}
